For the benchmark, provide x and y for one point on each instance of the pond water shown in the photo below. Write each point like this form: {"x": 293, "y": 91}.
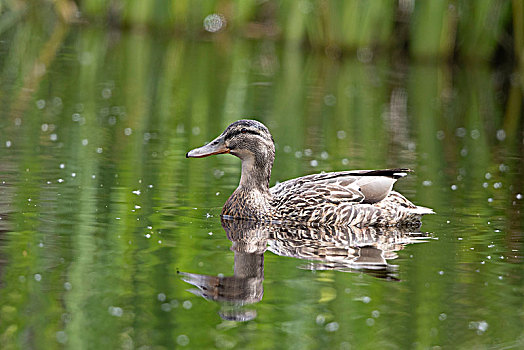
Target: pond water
{"x": 111, "y": 238}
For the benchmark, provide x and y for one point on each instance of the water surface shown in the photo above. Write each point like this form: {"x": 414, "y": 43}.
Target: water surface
{"x": 104, "y": 222}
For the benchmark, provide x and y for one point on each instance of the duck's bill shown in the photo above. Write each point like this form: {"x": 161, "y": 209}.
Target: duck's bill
{"x": 216, "y": 146}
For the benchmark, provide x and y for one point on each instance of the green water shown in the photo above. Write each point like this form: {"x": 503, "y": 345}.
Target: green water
{"x": 103, "y": 219}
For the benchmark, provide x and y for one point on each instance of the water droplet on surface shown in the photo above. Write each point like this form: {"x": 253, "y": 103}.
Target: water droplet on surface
{"x": 106, "y": 93}
{"x": 330, "y": 100}
{"x": 320, "y": 320}
{"x": 214, "y": 22}
{"x": 182, "y": 340}
{"x": 480, "y": 326}
{"x": 85, "y": 58}
{"x": 187, "y": 304}
{"x": 370, "y": 322}
{"x": 332, "y": 327}
{"x": 341, "y": 134}
{"x": 128, "y": 131}
{"x": 313, "y": 163}
{"x": 61, "y": 337}
{"x": 460, "y": 132}
{"x": 366, "y": 299}
{"x": 38, "y": 277}
{"x": 115, "y": 311}
{"x": 453, "y": 187}
{"x": 364, "y": 54}
{"x": 501, "y": 135}
{"x": 40, "y": 104}
{"x": 8, "y": 143}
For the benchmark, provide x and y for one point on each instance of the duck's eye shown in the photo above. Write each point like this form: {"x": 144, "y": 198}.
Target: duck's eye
{"x": 243, "y": 130}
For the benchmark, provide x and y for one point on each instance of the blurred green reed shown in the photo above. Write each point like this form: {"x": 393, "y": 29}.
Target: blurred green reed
{"x": 431, "y": 29}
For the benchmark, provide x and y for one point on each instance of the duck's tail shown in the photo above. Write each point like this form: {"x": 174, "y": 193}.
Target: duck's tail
{"x": 419, "y": 210}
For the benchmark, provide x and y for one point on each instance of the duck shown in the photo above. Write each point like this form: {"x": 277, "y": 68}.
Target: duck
{"x": 358, "y": 198}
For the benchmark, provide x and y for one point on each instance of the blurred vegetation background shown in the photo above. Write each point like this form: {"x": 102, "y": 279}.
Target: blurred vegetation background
{"x": 481, "y": 30}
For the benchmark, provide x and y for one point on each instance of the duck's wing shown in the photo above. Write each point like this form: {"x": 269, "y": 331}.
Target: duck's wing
{"x": 315, "y": 202}
{"x": 309, "y": 193}
{"x": 357, "y": 186}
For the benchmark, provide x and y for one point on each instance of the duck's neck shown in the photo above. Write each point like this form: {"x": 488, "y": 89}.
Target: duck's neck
{"x": 251, "y": 200}
{"x": 256, "y": 172}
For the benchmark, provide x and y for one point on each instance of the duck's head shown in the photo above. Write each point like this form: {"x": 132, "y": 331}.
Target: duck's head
{"x": 250, "y": 141}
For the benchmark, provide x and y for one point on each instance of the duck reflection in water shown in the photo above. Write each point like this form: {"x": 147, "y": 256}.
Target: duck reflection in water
{"x": 347, "y": 249}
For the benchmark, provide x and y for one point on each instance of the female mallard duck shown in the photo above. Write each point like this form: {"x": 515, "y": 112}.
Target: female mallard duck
{"x": 355, "y": 198}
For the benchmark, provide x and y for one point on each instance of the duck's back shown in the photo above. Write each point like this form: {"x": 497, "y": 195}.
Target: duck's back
{"x": 355, "y": 198}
